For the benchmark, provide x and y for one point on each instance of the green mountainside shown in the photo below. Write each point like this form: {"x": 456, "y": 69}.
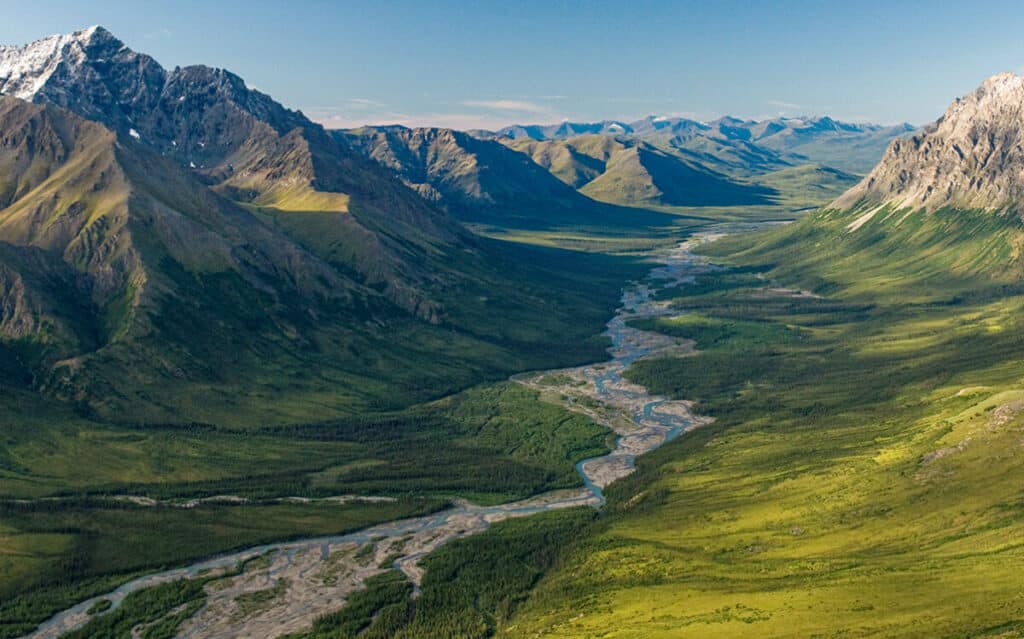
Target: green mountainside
{"x": 482, "y": 181}
{"x": 224, "y": 326}
{"x": 232, "y": 262}
{"x": 863, "y": 474}
{"x": 635, "y": 173}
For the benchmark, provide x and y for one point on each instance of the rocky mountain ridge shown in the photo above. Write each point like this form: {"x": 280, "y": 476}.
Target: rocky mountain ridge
{"x": 971, "y": 158}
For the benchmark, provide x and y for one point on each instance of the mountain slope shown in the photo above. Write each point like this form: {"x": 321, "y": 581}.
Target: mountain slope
{"x": 175, "y": 246}
{"x": 126, "y": 226}
{"x": 940, "y": 211}
{"x": 630, "y": 172}
{"x": 863, "y": 366}
{"x": 249, "y": 147}
{"x": 484, "y": 181}
{"x": 970, "y": 158}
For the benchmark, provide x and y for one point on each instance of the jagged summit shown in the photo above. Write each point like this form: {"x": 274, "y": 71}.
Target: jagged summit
{"x": 25, "y": 70}
{"x": 971, "y": 157}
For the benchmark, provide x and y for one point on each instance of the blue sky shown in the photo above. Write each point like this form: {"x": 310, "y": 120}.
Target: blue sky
{"x": 489, "y": 63}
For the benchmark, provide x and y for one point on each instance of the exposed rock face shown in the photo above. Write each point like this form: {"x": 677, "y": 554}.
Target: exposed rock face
{"x": 197, "y": 114}
{"x": 972, "y": 157}
{"x": 18, "y": 315}
{"x": 90, "y": 72}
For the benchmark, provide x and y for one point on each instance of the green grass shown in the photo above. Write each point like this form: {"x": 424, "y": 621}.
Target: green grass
{"x": 250, "y": 603}
{"x": 808, "y": 186}
{"x": 864, "y": 474}
{"x": 321, "y": 430}
{"x": 498, "y": 442}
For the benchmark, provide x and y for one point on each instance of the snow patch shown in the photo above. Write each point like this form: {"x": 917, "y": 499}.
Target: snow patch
{"x": 25, "y": 70}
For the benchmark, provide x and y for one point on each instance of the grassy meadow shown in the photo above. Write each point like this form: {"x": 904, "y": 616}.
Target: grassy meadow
{"x": 864, "y": 475}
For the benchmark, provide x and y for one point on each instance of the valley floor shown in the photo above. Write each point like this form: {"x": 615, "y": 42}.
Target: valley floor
{"x": 301, "y": 581}
{"x": 864, "y": 476}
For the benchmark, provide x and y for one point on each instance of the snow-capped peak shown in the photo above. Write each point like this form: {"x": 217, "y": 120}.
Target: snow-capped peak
{"x": 24, "y": 70}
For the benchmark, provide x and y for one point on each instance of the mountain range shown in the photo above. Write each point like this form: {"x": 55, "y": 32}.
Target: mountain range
{"x": 671, "y": 162}
{"x": 631, "y": 171}
{"x": 185, "y": 227}
{"x": 852, "y": 147}
{"x": 498, "y": 178}
{"x": 169, "y": 236}
{"x": 483, "y": 181}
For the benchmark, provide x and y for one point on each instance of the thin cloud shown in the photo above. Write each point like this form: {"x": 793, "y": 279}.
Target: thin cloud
{"x": 364, "y": 101}
{"x": 340, "y": 118}
{"x": 521, "y": 106}
{"x": 782, "y": 104}
{"x": 160, "y": 34}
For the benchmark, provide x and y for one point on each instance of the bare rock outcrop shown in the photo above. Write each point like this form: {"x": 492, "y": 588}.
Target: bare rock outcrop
{"x": 971, "y": 158}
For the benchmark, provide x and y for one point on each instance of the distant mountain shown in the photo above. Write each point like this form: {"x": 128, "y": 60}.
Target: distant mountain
{"x": 971, "y": 158}
{"x": 177, "y": 246}
{"x": 766, "y": 144}
{"x": 562, "y": 130}
{"x": 626, "y": 170}
{"x": 843, "y": 145}
{"x": 479, "y": 180}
